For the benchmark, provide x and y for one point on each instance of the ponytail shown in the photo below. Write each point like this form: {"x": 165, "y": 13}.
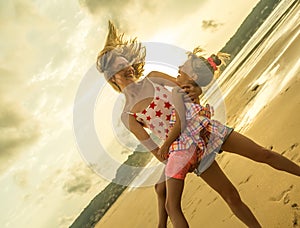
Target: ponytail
{"x": 207, "y": 69}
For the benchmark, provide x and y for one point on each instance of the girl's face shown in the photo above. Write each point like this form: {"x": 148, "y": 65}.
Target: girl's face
{"x": 185, "y": 73}
{"x": 125, "y": 72}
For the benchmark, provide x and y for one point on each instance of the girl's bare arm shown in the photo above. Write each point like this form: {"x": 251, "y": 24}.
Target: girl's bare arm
{"x": 141, "y": 134}
{"x": 162, "y": 78}
{"x": 192, "y": 91}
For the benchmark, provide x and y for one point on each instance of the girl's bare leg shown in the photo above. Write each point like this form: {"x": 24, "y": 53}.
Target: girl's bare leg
{"x": 241, "y": 145}
{"x": 173, "y": 202}
{"x": 160, "y": 189}
{"x": 216, "y": 179}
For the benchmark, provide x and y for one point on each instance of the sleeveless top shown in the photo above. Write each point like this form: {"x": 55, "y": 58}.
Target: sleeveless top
{"x": 160, "y": 117}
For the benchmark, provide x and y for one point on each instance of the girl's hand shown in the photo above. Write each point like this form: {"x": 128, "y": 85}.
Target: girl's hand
{"x": 163, "y": 152}
{"x": 207, "y": 111}
{"x": 192, "y": 93}
{"x": 155, "y": 153}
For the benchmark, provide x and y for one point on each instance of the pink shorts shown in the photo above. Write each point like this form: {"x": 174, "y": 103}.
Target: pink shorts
{"x": 180, "y": 162}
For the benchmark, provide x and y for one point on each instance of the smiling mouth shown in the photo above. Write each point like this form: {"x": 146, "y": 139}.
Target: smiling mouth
{"x": 130, "y": 75}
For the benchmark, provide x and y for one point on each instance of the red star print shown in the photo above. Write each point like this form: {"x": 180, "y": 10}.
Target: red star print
{"x": 161, "y": 124}
{"x": 148, "y": 118}
{"x": 168, "y": 117}
{"x": 157, "y": 88}
{"x": 158, "y": 113}
{"x": 165, "y": 95}
{"x": 134, "y": 115}
{"x": 152, "y": 105}
{"x": 144, "y": 111}
{"x": 157, "y": 98}
{"x": 159, "y": 131}
{"x": 151, "y": 126}
{"x": 167, "y": 105}
{"x": 167, "y": 130}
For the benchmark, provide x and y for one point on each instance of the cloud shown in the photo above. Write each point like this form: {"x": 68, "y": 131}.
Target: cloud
{"x": 141, "y": 18}
{"x": 33, "y": 46}
{"x": 78, "y": 184}
{"x": 20, "y": 26}
{"x": 17, "y": 129}
{"x": 80, "y": 179}
{"x": 65, "y": 221}
{"x": 94, "y": 6}
{"x": 210, "y": 24}
{"x": 21, "y": 178}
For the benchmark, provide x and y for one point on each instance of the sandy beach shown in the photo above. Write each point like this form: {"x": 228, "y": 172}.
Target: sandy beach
{"x": 273, "y": 196}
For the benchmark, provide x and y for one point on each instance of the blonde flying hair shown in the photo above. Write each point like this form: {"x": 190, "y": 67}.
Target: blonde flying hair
{"x": 116, "y": 46}
{"x": 134, "y": 53}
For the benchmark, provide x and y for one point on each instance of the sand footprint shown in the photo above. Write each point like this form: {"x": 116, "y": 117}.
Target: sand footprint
{"x": 245, "y": 181}
{"x": 292, "y": 147}
{"x": 293, "y": 156}
{"x": 296, "y": 220}
{"x": 226, "y": 164}
{"x": 283, "y": 195}
{"x": 209, "y": 203}
{"x": 296, "y": 215}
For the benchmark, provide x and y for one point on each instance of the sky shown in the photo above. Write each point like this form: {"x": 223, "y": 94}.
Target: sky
{"x": 46, "y": 48}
